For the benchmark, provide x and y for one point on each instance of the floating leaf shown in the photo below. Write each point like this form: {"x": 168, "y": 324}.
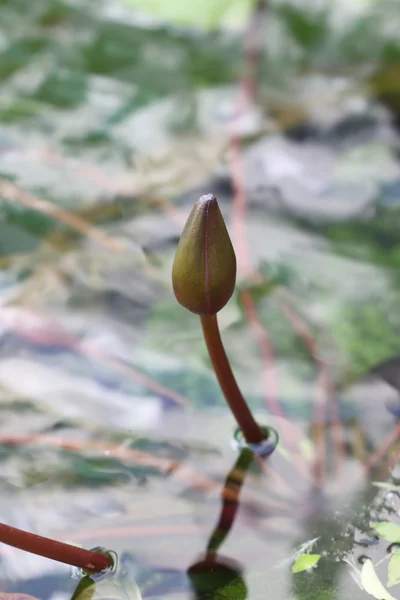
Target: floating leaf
{"x": 371, "y": 582}
{"x": 394, "y": 569}
{"x": 304, "y": 562}
{"x": 389, "y": 531}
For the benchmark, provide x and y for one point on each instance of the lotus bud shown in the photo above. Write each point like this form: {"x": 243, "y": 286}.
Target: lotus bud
{"x": 204, "y": 270}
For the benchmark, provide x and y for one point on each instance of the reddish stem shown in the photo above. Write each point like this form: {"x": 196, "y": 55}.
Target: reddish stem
{"x": 43, "y": 546}
{"x": 253, "y": 44}
{"x": 227, "y": 381}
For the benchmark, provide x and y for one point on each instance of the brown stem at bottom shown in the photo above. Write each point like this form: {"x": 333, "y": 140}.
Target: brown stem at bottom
{"x": 227, "y": 381}
{"x": 43, "y": 546}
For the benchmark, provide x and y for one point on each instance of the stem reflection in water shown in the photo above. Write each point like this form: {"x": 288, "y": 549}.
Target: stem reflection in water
{"x": 215, "y": 576}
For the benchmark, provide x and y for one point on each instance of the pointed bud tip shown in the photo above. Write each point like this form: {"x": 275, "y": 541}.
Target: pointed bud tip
{"x": 204, "y": 270}
{"x": 206, "y": 199}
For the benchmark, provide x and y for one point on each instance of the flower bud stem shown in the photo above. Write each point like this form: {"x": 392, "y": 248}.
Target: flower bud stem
{"x": 251, "y": 431}
{"x": 43, "y": 546}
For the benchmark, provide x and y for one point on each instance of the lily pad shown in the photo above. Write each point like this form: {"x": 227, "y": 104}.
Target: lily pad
{"x": 305, "y": 562}
{"x": 389, "y": 531}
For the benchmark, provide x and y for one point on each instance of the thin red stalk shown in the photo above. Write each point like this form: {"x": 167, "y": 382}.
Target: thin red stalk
{"x": 267, "y": 351}
{"x": 261, "y": 335}
{"x": 75, "y": 222}
{"x": 227, "y": 381}
{"x": 59, "y": 551}
{"x": 259, "y": 330}
{"x": 310, "y": 342}
{"x": 263, "y": 342}
{"x": 249, "y": 87}
{"x": 253, "y": 48}
{"x": 131, "y": 531}
{"x": 318, "y": 432}
{"x": 374, "y": 459}
{"x": 279, "y": 483}
{"x": 319, "y": 411}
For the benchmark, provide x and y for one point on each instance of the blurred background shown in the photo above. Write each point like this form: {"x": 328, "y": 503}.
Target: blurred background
{"x": 115, "y": 116}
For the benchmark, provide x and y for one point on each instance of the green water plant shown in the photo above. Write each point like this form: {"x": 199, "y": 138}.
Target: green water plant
{"x": 203, "y": 279}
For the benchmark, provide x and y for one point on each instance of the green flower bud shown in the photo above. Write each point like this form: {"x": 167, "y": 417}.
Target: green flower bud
{"x": 204, "y": 270}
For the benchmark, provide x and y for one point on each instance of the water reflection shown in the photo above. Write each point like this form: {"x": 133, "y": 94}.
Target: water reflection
{"x": 213, "y": 575}
{"x": 337, "y": 517}
{"x": 217, "y": 577}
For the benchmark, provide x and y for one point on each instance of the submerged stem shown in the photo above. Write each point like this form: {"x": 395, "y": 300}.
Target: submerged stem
{"x": 251, "y": 431}
{"x": 43, "y": 546}
{"x": 230, "y": 506}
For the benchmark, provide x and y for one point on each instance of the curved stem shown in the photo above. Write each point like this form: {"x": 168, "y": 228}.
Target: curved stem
{"x": 251, "y": 431}
{"x": 43, "y": 546}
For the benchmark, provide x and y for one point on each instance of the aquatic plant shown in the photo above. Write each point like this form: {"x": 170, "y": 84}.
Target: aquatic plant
{"x": 203, "y": 278}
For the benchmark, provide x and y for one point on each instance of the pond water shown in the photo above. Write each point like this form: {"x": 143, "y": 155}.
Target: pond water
{"x": 113, "y": 430}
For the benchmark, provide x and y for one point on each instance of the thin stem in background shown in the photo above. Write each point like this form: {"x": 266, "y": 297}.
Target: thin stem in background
{"x": 260, "y": 332}
{"x": 249, "y": 87}
{"x": 59, "y": 551}
{"x": 227, "y": 381}
{"x": 391, "y": 440}
{"x": 318, "y": 425}
{"x": 15, "y": 194}
{"x": 253, "y": 48}
{"x": 326, "y": 384}
{"x": 262, "y": 339}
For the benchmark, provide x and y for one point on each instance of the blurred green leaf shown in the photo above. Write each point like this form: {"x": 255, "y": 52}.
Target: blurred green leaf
{"x": 389, "y": 531}
{"x": 22, "y": 108}
{"x": 308, "y": 28}
{"x": 198, "y": 13}
{"x": 14, "y": 240}
{"x": 34, "y": 222}
{"x": 19, "y": 54}
{"x": 110, "y": 587}
{"x": 371, "y": 582}
{"x": 304, "y": 562}
{"x": 394, "y": 570}
{"x": 63, "y": 88}
{"x": 85, "y": 589}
